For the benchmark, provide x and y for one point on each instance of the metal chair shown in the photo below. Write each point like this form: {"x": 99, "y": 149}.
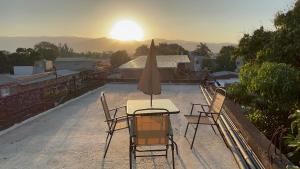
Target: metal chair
{"x": 209, "y": 117}
{"x": 151, "y": 129}
{"x": 114, "y": 123}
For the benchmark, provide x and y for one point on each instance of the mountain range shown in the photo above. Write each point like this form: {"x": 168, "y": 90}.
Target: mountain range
{"x": 80, "y": 44}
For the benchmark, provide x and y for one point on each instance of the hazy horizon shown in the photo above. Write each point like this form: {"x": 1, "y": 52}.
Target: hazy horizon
{"x": 192, "y": 20}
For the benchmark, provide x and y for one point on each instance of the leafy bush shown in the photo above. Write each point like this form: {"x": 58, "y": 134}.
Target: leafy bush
{"x": 293, "y": 139}
{"x": 118, "y": 58}
{"x": 270, "y": 91}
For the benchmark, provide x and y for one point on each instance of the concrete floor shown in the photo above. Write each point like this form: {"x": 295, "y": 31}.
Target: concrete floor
{"x": 73, "y": 136}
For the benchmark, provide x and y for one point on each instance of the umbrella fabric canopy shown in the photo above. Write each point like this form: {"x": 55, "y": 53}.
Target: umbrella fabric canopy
{"x": 150, "y": 80}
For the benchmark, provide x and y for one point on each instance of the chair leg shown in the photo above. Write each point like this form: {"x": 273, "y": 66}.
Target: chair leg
{"x": 213, "y": 129}
{"x": 173, "y": 161}
{"x": 187, "y": 126}
{"x": 134, "y": 152}
{"x": 107, "y": 146}
{"x": 176, "y": 146}
{"x": 222, "y": 135}
{"x": 130, "y": 155}
{"x": 167, "y": 148}
{"x": 194, "y": 135}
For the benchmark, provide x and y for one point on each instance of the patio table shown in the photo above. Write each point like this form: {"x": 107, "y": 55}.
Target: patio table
{"x": 133, "y": 105}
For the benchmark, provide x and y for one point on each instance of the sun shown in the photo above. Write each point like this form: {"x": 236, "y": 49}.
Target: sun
{"x": 126, "y": 30}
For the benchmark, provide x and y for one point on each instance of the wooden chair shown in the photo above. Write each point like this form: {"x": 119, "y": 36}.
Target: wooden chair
{"x": 151, "y": 130}
{"x": 114, "y": 123}
{"x": 209, "y": 117}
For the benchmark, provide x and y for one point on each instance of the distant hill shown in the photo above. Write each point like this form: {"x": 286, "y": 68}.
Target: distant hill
{"x": 95, "y": 45}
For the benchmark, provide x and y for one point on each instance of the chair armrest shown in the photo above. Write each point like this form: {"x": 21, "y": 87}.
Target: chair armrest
{"x": 207, "y": 113}
{"x": 116, "y": 118}
{"x": 121, "y": 117}
{"x": 116, "y": 110}
{"x": 195, "y": 104}
{"x": 198, "y": 104}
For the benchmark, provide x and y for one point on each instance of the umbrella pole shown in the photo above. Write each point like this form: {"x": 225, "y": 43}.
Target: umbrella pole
{"x": 151, "y": 100}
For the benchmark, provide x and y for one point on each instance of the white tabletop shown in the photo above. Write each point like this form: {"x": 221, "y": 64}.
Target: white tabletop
{"x": 133, "y": 105}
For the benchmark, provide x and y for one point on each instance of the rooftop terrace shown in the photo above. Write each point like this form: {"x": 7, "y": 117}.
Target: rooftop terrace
{"x": 73, "y": 135}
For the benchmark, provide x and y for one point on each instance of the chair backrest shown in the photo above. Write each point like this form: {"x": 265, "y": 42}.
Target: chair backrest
{"x": 105, "y": 107}
{"x": 217, "y": 103}
{"x": 151, "y": 130}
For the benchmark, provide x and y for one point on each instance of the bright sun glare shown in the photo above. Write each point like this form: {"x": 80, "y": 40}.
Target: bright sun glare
{"x": 127, "y": 30}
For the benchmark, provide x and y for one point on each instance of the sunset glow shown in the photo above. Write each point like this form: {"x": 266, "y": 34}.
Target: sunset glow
{"x": 126, "y": 30}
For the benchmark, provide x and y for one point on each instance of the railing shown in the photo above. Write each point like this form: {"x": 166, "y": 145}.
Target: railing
{"x": 247, "y": 141}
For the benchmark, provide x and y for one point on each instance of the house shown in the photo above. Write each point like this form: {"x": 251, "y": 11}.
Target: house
{"x": 196, "y": 62}
{"x": 167, "y": 65}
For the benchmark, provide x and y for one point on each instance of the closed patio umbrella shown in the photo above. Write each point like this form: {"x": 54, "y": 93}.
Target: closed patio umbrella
{"x": 150, "y": 80}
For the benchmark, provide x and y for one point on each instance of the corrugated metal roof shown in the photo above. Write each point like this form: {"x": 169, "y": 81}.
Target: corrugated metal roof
{"x": 163, "y": 61}
{"x": 49, "y": 76}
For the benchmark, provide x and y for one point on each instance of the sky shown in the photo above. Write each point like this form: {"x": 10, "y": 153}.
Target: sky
{"x": 192, "y": 20}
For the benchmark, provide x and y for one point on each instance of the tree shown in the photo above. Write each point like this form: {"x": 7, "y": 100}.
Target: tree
{"x": 141, "y": 50}
{"x": 47, "y": 50}
{"x": 4, "y": 64}
{"x": 249, "y": 46}
{"x": 286, "y": 44}
{"x": 202, "y": 50}
{"x": 293, "y": 138}
{"x": 23, "y": 57}
{"x": 170, "y": 49}
{"x": 226, "y": 59}
{"x": 162, "y": 49}
{"x": 65, "y": 51}
{"x": 118, "y": 58}
{"x": 271, "y": 93}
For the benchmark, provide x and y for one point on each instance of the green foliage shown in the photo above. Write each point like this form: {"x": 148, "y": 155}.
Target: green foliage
{"x": 238, "y": 93}
{"x": 202, "y": 50}
{"x": 170, "y": 49}
{"x": 162, "y": 49}
{"x": 270, "y": 91}
{"x": 65, "y": 51}
{"x": 265, "y": 122}
{"x": 269, "y": 84}
{"x": 209, "y": 63}
{"x": 22, "y": 57}
{"x": 250, "y": 45}
{"x": 118, "y": 58}
{"x": 278, "y": 84}
{"x": 4, "y": 64}
{"x": 47, "y": 50}
{"x": 226, "y": 59}
{"x": 293, "y": 139}
{"x": 141, "y": 50}
{"x": 281, "y": 45}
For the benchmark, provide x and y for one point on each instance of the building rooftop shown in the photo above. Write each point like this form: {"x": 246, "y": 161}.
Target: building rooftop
{"x": 74, "y": 59}
{"x": 78, "y": 64}
{"x": 73, "y": 135}
{"x": 163, "y": 61}
{"x": 5, "y": 79}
